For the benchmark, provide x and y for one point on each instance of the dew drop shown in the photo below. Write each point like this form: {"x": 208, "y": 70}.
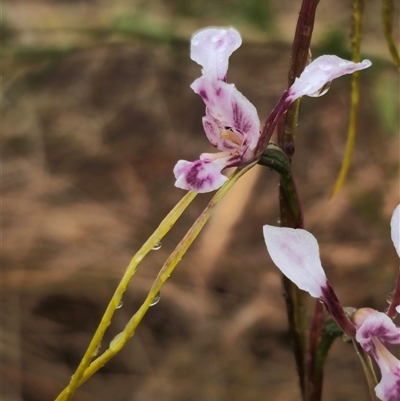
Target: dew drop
{"x": 321, "y": 91}
{"x": 325, "y": 67}
{"x": 324, "y": 89}
{"x": 120, "y": 304}
{"x": 389, "y": 297}
{"x": 157, "y": 246}
{"x": 156, "y": 299}
{"x": 195, "y": 42}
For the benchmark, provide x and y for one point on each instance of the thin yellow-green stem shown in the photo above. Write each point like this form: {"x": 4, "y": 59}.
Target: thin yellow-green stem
{"x": 120, "y": 340}
{"x": 387, "y": 16}
{"x": 94, "y": 345}
{"x": 357, "y": 15}
{"x": 351, "y": 134}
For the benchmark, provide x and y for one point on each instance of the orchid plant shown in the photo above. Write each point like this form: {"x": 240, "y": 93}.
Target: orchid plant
{"x": 295, "y": 252}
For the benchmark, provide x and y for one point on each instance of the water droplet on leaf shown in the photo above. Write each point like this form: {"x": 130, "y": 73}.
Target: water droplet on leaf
{"x": 195, "y": 42}
{"x": 156, "y": 299}
{"x": 120, "y": 304}
{"x": 157, "y": 246}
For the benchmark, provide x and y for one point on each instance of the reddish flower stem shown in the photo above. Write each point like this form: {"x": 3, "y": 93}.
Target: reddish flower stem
{"x": 290, "y": 209}
{"x": 391, "y": 312}
{"x": 314, "y": 375}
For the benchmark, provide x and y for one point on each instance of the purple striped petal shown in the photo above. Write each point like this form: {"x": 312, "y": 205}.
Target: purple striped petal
{"x": 212, "y": 47}
{"x": 295, "y": 252}
{"x": 230, "y": 110}
{"x": 317, "y": 76}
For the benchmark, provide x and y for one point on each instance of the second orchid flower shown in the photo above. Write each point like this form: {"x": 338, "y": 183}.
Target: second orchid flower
{"x": 295, "y": 252}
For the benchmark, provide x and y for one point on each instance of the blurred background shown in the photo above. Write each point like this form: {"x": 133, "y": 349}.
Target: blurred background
{"x": 97, "y": 109}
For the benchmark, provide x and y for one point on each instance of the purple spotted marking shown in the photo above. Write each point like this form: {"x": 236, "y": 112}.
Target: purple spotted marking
{"x": 203, "y": 95}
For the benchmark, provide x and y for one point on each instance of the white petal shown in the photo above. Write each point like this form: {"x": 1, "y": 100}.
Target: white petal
{"x": 295, "y": 252}
{"x": 320, "y": 73}
{"x": 395, "y": 230}
{"x": 212, "y": 47}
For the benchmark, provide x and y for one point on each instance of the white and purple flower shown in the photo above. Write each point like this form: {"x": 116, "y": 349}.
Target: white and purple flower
{"x": 295, "y": 252}
{"x": 231, "y": 122}
{"x": 374, "y": 331}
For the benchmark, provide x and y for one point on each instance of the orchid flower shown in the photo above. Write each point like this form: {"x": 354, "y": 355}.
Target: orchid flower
{"x": 295, "y": 252}
{"x": 231, "y": 122}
